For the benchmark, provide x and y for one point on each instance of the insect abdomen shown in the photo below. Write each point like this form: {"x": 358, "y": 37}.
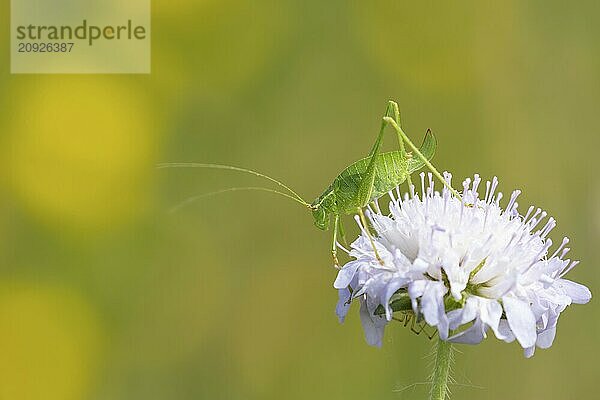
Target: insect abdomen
{"x": 390, "y": 171}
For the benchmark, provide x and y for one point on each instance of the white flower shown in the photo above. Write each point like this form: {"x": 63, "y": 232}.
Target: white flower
{"x": 467, "y": 265}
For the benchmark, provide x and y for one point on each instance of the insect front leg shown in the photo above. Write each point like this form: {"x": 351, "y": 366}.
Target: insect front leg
{"x": 336, "y": 225}
{"x": 363, "y": 220}
{"x": 364, "y": 192}
{"x": 365, "y": 188}
{"x": 342, "y": 233}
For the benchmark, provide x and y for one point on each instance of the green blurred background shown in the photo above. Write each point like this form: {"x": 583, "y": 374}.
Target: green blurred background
{"x": 104, "y": 295}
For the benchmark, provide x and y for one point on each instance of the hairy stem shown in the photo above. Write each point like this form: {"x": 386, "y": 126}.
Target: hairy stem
{"x": 441, "y": 372}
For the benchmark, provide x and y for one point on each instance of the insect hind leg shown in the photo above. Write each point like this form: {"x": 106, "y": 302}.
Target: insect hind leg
{"x": 342, "y": 232}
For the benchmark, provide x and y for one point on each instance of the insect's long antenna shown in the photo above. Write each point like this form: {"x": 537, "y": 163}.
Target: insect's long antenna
{"x": 192, "y": 199}
{"x": 296, "y": 196}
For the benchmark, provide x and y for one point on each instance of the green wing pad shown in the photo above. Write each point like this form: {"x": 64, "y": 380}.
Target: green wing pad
{"x": 427, "y": 149}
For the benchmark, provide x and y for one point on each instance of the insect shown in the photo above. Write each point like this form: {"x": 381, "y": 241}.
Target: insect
{"x": 361, "y": 183}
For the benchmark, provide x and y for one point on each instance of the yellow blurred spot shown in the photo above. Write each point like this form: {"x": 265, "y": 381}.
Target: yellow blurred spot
{"x": 49, "y": 342}
{"x": 427, "y": 45}
{"x": 79, "y": 150}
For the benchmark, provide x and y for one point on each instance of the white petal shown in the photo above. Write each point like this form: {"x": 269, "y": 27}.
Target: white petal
{"x": 466, "y": 314}
{"x": 504, "y": 329}
{"x": 443, "y": 325}
{"x": 579, "y": 293}
{"x": 372, "y": 327}
{"x": 343, "y": 304}
{"x": 420, "y": 265}
{"x": 473, "y": 335}
{"x": 346, "y": 274}
{"x": 432, "y": 306}
{"x": 529, "y": 351}
{"x": 415, "y": 290}
{"x": 491, "y": 311}
{"x": 454, "y": 318}
{"x": 521, "y": 320}
{"x": 455, "y": 273}
{"x": 545, "y": 338}
{"x": 390, "y": 290}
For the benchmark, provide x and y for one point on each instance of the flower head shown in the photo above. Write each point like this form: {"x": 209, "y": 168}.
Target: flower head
{"x": 467, "y": 265}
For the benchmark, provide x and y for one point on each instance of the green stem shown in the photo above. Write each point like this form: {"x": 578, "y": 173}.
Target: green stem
{"x": 441, "y": 372}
